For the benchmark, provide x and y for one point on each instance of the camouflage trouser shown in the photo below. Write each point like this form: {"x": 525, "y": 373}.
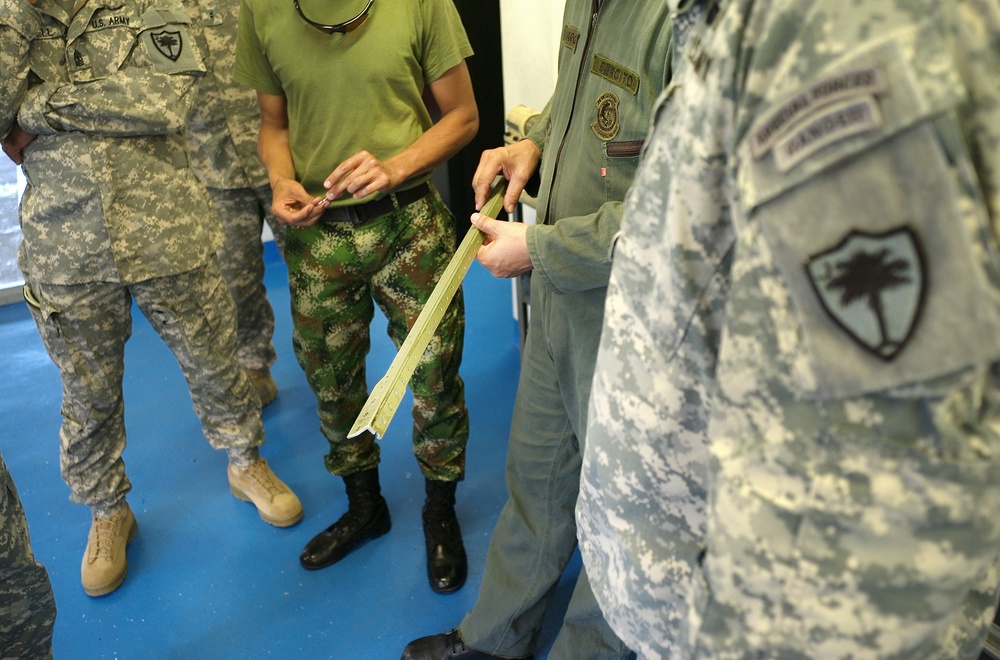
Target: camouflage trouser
{"x": 85, "y": 327}
{"x": 334, "y": 272}
{"x": 27, "y": 606}
{"x": 243, "y": 212}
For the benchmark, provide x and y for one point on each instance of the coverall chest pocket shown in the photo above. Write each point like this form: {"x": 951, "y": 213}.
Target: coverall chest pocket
{"x": 621, "y": 157}
{"x": 877, "y": 229}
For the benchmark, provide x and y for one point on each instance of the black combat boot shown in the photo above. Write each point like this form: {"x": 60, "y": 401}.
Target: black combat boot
{"x": 446, "y": 646}
{"x": 367, "y": 518}
{"x": 446, "y": 562}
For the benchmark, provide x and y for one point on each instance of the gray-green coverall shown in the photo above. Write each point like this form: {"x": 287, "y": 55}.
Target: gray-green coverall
{"x": 610, "y": 73}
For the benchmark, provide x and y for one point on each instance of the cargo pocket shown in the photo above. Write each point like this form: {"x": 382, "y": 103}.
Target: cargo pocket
{"x": 46, "y": 317}
{"x": 620, "y": 161}
{"x": 195, "y": 315}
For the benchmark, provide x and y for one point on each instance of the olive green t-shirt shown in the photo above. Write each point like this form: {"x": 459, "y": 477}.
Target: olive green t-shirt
{"x": 354, "y": 91}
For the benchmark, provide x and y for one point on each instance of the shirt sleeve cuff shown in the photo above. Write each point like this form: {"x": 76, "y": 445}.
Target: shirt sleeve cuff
{"x": 31, "y": 115}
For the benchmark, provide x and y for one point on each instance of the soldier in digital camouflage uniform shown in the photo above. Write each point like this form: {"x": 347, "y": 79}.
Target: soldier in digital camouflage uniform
{"x": 113, "y": 214}
{"x": 349, "y": 146}
{"x": 222, "y": 139}
{"x": 807, "y": 284}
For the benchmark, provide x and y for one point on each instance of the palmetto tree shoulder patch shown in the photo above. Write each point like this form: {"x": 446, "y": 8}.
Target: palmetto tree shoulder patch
{"x": 169, "y": 43}
{"x": 873, "y": 286}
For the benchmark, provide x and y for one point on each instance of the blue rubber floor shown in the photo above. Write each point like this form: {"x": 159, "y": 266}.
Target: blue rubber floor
{"x": 209, "y": 579}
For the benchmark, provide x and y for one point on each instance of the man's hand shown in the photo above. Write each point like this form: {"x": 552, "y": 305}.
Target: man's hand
{"x": 361, "y": 175}
{"x": 504, "y": 251}
{"x": 16, "y": 141}
{"x": 517, "y": 162}
{"x": 292, "y": 205}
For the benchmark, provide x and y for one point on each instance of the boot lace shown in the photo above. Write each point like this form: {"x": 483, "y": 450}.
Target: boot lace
{"x": 104, "y": 537}
{"x": 260, "y": 476}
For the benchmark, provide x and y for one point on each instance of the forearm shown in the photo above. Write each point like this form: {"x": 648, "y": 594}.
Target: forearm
{"x": 459, "y": 122}
{"x": 291, "y": 204}
{"x": 439, "y": 143}
{"x": 276, "y": 153}
{"x": 115, "y": 106}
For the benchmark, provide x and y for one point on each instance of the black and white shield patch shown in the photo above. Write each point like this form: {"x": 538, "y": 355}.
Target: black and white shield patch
{"x": 873, "y": 287}
{"x": 169, "y": 43}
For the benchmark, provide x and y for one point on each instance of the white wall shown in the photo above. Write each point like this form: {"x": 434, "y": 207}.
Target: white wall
{"x": 529, "y": 36}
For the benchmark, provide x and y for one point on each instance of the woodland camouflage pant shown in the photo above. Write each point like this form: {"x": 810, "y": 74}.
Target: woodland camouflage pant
{"x": 335, "y": 273}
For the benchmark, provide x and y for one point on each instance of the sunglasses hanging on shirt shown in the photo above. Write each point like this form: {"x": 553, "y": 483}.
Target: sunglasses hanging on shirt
{"x": 342, "y": 28}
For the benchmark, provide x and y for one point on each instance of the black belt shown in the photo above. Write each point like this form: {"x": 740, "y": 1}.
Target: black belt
{"x": 359, "y": 214}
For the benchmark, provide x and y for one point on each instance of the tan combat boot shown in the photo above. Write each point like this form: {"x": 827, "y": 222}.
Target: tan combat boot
{"x": 257, "y": 484}
{"x": 264, "y": 383}
{"x": 104, "y": 562}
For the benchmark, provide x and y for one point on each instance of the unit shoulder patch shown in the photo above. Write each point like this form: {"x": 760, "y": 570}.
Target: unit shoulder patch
{"x": 170, "y": 49}
{"x": 872, "y": 286}
{"x": 169, "y": 43}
